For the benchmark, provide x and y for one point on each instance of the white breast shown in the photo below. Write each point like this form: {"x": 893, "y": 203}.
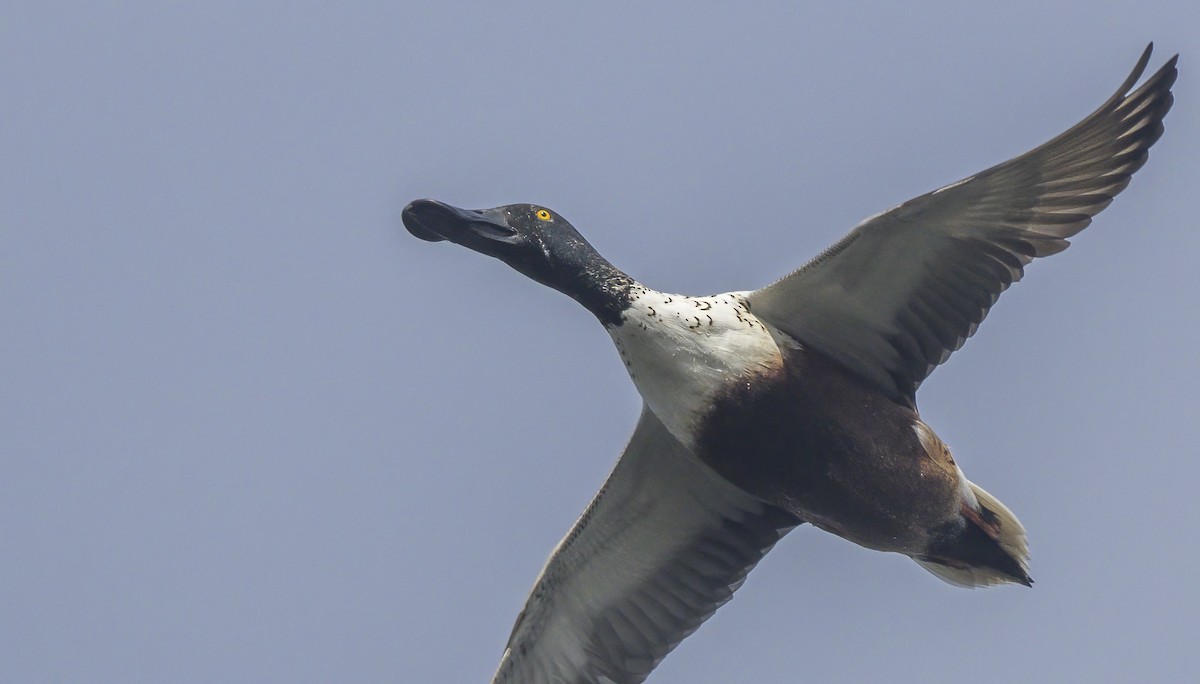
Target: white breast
{"x": 682, "y": 351}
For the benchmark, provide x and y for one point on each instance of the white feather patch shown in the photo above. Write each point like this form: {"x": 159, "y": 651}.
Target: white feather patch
{"x": 681, "y": 351}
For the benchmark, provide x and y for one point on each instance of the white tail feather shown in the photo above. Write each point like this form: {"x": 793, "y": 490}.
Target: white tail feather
{"x": 1011, "y": 539}
{"x": 1012, "y": 533}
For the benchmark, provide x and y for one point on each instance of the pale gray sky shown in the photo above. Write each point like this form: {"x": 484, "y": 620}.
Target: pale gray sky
{"x": 252, "y": 430}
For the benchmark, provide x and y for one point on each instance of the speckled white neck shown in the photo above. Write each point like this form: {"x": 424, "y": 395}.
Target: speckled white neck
{"x": 682, "y": 351}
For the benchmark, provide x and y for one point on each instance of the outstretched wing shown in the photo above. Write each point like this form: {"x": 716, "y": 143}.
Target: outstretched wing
{"x": 661, "y": 547}
{"x": 894, "y": 298}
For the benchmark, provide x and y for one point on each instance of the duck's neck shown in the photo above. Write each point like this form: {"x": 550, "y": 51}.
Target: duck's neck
{"x": 606, "y": 291}
{"x": 577, "y": 270}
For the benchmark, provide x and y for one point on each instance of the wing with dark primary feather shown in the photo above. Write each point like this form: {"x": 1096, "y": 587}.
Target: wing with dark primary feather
{"x": 661, "y": 547}
{"x": 894, "y": 298}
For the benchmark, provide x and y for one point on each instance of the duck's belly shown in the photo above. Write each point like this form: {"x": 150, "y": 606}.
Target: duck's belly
{"x": 832, "y": 450}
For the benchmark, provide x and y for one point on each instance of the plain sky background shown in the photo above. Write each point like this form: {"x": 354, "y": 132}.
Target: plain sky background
{"x": 253, "y": 431}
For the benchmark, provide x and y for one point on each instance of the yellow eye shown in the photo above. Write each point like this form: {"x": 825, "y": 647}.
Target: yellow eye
{"x": 542, "y": 215}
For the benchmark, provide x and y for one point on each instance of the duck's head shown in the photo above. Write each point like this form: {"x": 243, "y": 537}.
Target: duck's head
{"x": 533, "y": 240}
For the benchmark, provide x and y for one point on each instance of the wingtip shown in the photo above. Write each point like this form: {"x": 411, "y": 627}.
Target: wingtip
{"x": 1172, "y": 62}
{"x": 1138, "y": 70}
{"x": 1150, "y": 49}
{"x": 1168, "y": 65}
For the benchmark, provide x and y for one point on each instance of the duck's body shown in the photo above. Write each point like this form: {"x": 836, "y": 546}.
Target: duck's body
{"x": 796, "y": 430}
{"x": 793, "y": 403}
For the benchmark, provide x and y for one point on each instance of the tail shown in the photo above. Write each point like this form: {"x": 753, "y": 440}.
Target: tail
{"x": 988, "y": 546}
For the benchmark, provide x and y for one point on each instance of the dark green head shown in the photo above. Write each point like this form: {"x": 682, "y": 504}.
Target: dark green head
{"x": 535, "y": 241}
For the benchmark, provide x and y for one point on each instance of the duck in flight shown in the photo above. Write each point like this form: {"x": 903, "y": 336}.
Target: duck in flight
{"x": 793, "y": 403}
